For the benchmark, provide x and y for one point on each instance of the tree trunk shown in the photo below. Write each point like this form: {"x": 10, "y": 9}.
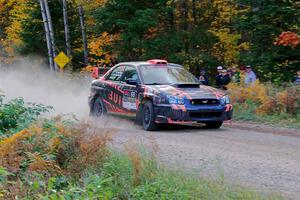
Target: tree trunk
{"x": 82, "y": 25}
{"x": 185, "y": 15}
{"x": 50, "y": 25}
{"x": 47, "y": 33}
{"x": 194, "y": 12}
{"x": 67, "y": 30}
{"x": 172, "y": 15}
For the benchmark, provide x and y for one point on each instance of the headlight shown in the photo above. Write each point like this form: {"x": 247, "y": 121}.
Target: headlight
{"x": 225, "y": 100}
{"x": 175, "y": 100}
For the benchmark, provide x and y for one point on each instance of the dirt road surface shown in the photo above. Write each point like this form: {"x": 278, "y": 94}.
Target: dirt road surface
{"x": 263, "y": 161}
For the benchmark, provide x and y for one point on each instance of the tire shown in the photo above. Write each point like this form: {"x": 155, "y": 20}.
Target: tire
{"x": 148, "y": 117}
{"x": 214, "y": 125}
{"x": 98, "y": 109}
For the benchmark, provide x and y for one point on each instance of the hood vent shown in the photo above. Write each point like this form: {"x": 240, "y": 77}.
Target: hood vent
{"x": 189, "y": 85}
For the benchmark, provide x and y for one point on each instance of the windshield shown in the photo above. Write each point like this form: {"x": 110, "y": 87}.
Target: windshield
{"x": 165, "y": 75}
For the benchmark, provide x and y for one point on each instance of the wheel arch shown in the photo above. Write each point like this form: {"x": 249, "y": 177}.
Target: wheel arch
{"x": 95, "y": 96}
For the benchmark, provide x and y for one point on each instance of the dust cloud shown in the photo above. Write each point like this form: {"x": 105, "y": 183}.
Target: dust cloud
{"x": 35, "y": 83}
{"x": 67, "y": 93}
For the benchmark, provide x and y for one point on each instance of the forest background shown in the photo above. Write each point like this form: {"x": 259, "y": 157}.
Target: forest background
{"x": 200, "y": 34}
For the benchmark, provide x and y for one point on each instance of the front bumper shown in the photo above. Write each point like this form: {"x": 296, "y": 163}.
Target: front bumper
{"x": 166, "y": 113}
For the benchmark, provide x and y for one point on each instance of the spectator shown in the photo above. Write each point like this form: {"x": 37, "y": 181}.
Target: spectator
{"x": 223, "y": 79}
{"x": 219, "y": 73}
{"x": 219, "y": 69}
{"x": 235, "y": 75}
{"x": 296, "y": 79}
{"x": 203, "y": 78}
{"x": 230, "y": 72}
{"x": 250, "y": 76}
{"x": 242, "y": 74}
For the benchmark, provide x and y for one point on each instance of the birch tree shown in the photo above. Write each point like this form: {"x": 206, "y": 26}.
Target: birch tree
{"x": 51, "y": 31}
{"x": 67, "y": 30}
{"x": 82, "y": 25}
{"x": 47, "y": 33}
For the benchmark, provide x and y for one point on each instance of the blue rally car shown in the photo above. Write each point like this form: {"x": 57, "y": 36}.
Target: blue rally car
{"x": 156, "y": 92}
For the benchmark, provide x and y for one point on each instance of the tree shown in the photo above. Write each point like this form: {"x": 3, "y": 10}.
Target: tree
{"x": 48, "y": 37}
{"x": 260, "y": 26}
{"x": 84, "y": 38}
{"x": 11, "y": 15}
{"x": 51, "y": 31}
{"x": 227, "y": 49}
{"x": 67, "y": 29}
{"x": 32, "y": 32}
{"x": 288, "y": 39}
{"x": 155, "y": 29}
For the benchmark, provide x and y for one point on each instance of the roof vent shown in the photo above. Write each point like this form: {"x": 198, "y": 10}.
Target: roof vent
{"x": 158, "y": 62}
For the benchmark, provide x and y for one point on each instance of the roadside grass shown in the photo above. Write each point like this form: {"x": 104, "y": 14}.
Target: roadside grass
{"x": 116, "y": 181}
{"x": 58, "y": 160}
{"x": 247, "y": 113}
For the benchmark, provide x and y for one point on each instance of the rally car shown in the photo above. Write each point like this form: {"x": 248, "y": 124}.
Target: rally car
{"x": 156, "y": 92}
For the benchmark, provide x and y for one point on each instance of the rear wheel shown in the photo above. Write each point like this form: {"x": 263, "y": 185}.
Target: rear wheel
{"x": 148, "y": 117}
{"x": 98, "y": 109}
{"x": 214, "y": 125}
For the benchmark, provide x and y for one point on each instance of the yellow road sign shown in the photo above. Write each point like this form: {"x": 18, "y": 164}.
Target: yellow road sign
{"x": 62, "y": 59}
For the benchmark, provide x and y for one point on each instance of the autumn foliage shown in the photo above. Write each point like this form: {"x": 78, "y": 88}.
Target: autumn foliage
{"x": 269, "y": 99}
{"x": 52, "y": 148}
{"x": 288, "y": 39}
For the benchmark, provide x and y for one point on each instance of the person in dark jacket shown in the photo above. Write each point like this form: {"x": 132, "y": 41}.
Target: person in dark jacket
{"x": 223, "y": 79}
{"x": 203, "y": 78}
{"x": 296, "y": 79}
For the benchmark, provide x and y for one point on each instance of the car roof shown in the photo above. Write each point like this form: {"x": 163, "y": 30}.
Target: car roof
{"x": 143, "y": 63}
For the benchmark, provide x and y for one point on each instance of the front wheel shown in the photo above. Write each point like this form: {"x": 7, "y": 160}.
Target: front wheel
{"x": 214, "y": 125}
{"x": 148, "y": 117}
{"x": 98, "y": 109}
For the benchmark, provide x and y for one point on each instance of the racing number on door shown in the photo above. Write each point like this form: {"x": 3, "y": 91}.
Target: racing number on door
{"x": 115, "y": 98}
{"x": 114, "y": 92}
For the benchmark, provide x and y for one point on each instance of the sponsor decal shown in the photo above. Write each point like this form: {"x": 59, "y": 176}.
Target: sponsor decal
{"x": 129, "y": 100}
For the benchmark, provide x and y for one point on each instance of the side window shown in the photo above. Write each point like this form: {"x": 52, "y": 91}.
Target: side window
{"x": 130, "y": 73}
{"x": 116, "y": 74}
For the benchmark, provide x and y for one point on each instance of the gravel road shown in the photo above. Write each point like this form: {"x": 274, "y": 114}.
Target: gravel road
{"x": 264, "y": 161}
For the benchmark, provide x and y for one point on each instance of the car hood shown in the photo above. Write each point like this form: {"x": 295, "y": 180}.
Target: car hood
{"x": 189, "y": 91}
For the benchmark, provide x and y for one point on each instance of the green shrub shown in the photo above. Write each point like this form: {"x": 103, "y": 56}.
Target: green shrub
{"x": 16, "y": 115}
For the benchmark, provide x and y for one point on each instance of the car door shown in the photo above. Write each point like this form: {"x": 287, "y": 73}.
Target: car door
{"x": 129, "y": 98}
{"x": 113, "y": 94}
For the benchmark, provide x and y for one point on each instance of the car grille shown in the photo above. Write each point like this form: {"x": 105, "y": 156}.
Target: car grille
{"x": 204, "y": 102}
{"x": 205, "y": 115}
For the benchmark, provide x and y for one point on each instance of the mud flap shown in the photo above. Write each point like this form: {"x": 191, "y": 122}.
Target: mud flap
{"x": 139, "y": 118}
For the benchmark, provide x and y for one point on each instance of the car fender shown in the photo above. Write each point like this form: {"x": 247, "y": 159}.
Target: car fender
{"x": 96, "y": 91}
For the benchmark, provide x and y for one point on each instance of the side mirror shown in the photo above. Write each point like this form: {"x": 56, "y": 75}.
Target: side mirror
{"x": 131, "y": 81}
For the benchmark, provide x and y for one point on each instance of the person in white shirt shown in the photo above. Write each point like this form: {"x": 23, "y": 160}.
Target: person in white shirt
{"x": 250, "y": 76}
